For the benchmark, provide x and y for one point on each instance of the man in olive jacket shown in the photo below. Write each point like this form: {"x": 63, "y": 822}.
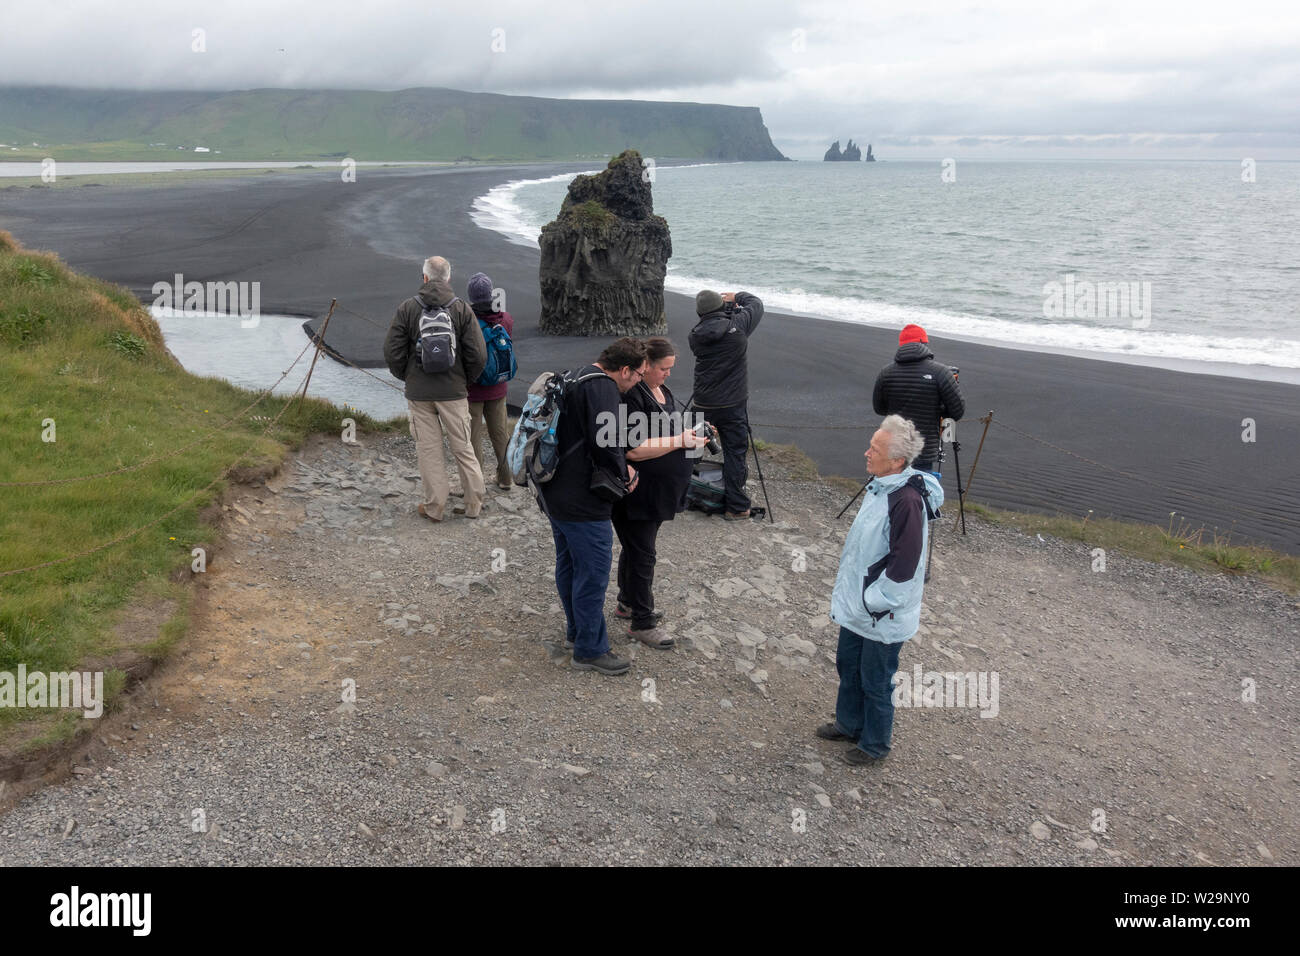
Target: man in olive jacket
{"x": 439, "y": 403}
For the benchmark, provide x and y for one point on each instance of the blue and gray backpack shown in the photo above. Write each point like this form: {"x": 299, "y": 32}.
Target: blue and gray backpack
{"x": 501, "y": 365}
{"x": 533, "y": 452}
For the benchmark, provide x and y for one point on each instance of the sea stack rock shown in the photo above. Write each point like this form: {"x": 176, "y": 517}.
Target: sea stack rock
{"x": 870, "y": 158}
{"x": 852, "y": 153}
{"x": 604, "y": 257}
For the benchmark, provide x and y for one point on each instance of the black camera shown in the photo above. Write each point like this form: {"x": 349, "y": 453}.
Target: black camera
{"x": 710, "y": 434}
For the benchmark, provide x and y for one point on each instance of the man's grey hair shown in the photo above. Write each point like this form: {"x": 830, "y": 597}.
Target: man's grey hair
{"x": 904, "y": 440}
{"x": 436, "y": 267}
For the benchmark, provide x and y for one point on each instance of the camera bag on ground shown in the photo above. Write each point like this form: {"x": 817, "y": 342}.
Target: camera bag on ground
{"x": 706, "y": 492}
{"x": 533, "y": 452}
{"x": 435, "y": 341}
{"x": 501, "y": 365}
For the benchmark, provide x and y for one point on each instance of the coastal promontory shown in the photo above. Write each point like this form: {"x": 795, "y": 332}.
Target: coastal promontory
{"x": 413, "y": 124}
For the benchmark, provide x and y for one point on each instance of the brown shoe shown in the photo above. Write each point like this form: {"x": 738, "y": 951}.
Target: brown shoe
{"x": 736, "y": 515}
{"x": 831, "y": 732}
{"x": 652, "y": 637}
{"x": 425, "y": 514}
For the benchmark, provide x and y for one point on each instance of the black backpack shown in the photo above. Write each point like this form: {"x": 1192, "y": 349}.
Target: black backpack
{"x": 917, "y": 482}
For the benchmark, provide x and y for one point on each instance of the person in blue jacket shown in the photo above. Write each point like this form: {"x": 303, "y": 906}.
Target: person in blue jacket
{"x": 877, "y": 596}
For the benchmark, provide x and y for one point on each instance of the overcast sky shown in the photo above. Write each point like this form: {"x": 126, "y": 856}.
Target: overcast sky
{"x": 918, "y": 78}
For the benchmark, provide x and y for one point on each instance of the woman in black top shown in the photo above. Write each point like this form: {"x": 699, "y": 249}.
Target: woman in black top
{"x": 665, "y": 474}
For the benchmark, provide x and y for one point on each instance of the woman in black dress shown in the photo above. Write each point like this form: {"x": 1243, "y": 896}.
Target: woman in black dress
{"x": 664, "y": 473}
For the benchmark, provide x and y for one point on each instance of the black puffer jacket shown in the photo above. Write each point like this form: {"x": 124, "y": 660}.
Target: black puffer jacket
{"x": 719, "y": 343}
{"x": 922, "y": 391}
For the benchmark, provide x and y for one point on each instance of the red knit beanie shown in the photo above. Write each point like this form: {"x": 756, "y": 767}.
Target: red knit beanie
{"x": 912, "y": 333}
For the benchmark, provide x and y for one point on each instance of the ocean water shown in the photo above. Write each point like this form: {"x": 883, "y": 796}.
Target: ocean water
{"x": 216, "y": 345}
{"x": 1201, "y": 266}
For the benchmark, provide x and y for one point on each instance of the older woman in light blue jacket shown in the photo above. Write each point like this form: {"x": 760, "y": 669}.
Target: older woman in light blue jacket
{"x": 877, "y": 595}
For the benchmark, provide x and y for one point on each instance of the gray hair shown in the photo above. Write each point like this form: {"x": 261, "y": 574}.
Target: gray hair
{"x": 436, "y": 267}
{"x": 904, "y": 440}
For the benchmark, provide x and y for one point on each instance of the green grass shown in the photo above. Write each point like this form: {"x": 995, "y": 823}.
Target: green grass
{"x": 592, "y": 214}
{"x": 92, "y": 374}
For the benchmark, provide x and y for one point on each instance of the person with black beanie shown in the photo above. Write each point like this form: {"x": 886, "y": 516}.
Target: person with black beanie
{"x": 719, "y": 342}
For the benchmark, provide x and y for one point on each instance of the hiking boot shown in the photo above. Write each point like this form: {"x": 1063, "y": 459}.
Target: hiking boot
{"x": 736, "y": 515}
{"x": 652, "y": 637}
{"x": 831, "y": 732}
{"x": 857, "y": 757}
{"x": 625, "y": 613}
{"x": 460, "y": 510}
{"x": 432, "y": 516}
{"x": 506, "y": 484}
{"x": 606, "y": 663}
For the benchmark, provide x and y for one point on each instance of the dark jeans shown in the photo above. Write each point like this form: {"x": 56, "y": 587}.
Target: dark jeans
{"x": 733, "y": 429}
{"x": 636, "y": 566}
{"x": 583, "y": 551}
{"x": 865, "y": 706}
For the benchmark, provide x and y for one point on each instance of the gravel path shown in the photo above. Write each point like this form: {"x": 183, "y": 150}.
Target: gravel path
{"x": 1121, "y": 735}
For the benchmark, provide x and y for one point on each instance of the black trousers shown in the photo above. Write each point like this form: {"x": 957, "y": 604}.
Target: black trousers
{"x": 636, "y": 566}
{"x": 733, "y": 429}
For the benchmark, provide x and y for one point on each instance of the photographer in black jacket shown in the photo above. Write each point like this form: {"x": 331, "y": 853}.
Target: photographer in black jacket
{"x": 921, "y": 390}
{"x": 719, "y": 342}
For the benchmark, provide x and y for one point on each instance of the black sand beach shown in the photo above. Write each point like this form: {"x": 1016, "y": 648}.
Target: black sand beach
{"x": 1133, "y": 442}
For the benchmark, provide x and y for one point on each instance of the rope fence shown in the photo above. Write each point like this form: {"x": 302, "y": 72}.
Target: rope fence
{"x": 317, "y": 340}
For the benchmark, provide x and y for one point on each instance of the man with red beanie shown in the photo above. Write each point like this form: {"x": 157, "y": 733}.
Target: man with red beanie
{"x": 919, "y": 389}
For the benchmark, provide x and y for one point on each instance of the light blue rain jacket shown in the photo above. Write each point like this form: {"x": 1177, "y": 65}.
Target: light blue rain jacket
{"x": 866, "y": 599}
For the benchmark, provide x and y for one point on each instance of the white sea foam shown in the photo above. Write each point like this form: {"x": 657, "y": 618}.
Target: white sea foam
{"x": 498, "y": 209}
{"x": 1045, "y": 335}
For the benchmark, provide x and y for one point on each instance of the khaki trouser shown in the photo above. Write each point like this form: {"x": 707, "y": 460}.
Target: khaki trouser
{"x": 429, "y": 421}
{"x": 494, "y": 412}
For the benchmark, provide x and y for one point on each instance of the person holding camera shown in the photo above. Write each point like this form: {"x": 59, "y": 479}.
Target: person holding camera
{"x": 590, "y": 475}
{"x": 665, "y": 474}
{"x": 719, "y": 342}
{"x": 920, "y": 389}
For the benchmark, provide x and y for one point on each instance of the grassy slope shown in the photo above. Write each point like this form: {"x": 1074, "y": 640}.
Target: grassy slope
{"x": 409, "y": 124}
{"x": 87, "y": 355}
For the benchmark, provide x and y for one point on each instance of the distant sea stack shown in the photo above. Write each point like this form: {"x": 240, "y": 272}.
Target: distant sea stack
{"x": 605, "y": 256}
{"x": 852, "y": 153}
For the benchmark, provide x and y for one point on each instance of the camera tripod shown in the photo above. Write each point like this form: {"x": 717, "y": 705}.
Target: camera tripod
{"x": 758, "y": 466}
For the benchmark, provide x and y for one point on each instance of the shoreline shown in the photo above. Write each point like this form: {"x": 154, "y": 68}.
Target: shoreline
{"x": 496, "y": 211}
{"x": 1140, "y": 441}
